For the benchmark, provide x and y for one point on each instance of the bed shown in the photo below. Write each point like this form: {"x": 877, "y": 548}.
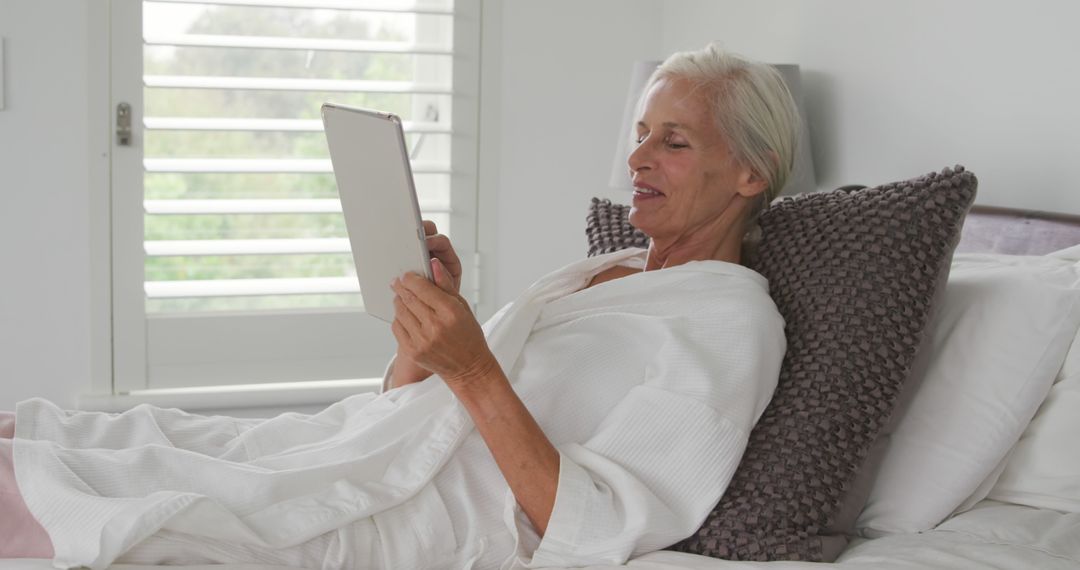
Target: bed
{"x": 1037, "y": 528}
{"x": 1026, "y": 512}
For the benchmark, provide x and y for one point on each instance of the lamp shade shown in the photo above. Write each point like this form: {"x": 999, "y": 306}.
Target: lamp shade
{"x": 802, "y": 177}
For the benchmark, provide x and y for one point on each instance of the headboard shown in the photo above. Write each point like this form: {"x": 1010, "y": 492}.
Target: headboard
{"x": 990, "y": 229}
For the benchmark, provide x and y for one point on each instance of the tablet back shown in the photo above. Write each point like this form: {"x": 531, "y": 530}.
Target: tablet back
{"x": 378, "y": 198}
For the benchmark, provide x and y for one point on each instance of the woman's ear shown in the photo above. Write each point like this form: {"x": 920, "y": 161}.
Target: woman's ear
{"x": 751, "y": 183}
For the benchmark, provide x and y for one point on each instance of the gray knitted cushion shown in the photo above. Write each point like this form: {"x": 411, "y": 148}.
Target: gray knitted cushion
{"x": 855, "y": 274}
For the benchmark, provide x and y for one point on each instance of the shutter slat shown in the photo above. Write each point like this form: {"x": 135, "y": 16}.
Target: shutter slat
{"x": 289, "y": 206}
{"x": 220, "y": 206}
{"x": 435, "y": 45}
{"x": 276, "y": 125}
{"x": 287, "y": 43}
{"x": 292, "y": 84}
{"x": 357, "y": 5}
{"x": 250, "y": 287}
{"x": 208, "y": 247}
{"x": 257, "y": 165}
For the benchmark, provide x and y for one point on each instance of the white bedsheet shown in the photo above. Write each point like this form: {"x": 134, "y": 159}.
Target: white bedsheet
{"x": 993, "y": 536}
{"x": 990, "y": 536}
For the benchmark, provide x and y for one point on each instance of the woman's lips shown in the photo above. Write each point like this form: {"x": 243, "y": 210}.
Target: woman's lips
{"x": 644, "y": 193}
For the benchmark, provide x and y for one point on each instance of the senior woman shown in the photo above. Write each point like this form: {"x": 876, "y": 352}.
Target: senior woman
{"x": 596, "y": 418}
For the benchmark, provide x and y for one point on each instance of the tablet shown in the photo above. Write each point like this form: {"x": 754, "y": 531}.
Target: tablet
{"x": 378, "y": 198}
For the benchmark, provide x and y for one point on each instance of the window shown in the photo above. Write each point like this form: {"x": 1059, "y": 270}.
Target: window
{"x": 230, "y": 258}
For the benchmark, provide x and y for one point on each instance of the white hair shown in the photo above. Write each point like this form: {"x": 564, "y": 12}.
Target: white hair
{"x": 752, "y": 108}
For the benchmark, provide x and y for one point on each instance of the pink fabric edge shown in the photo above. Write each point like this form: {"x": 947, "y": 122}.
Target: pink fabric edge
{"x": 20, "y": 534}
{"x": 7, "y": 425}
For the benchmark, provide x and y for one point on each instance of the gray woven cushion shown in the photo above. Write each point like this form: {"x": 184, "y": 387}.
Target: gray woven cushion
{"x": 855, "y": 274}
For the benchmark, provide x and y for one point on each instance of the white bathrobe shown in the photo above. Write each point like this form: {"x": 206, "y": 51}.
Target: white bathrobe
{"x": 648, "y": 385}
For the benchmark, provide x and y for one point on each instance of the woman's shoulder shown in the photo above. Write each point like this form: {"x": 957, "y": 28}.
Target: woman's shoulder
{"x": 710, "y": 294}
{"x": 731, "y": 274}
{"x": 697, "y": 290}
{"x": 714, "y": 280}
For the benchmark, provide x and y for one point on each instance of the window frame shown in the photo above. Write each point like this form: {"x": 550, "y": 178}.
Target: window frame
{"x": 151, "y": 353}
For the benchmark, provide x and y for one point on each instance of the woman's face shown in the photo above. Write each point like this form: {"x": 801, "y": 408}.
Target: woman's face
{"x": 685, "y": 176}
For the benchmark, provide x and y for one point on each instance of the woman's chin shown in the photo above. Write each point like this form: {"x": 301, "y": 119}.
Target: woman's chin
{"x": 640, "y": 220}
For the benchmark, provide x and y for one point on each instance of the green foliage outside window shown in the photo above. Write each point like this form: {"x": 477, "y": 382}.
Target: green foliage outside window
{"x": 215, "y": 103}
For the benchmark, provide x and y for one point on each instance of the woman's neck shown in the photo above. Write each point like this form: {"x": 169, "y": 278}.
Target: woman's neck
{"x": 660, "y": 257}
{"x": 721, "y": 242}
{"x": 718, "y": 238}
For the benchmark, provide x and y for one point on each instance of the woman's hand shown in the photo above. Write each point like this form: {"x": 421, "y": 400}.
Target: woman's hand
{"x": 436, "y": 330}
{"x": 406, "y": 370}
{"x": 440, "y": 248}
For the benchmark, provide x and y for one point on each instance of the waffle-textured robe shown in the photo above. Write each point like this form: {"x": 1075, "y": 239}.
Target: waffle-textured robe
{"x": 648, "y": 385}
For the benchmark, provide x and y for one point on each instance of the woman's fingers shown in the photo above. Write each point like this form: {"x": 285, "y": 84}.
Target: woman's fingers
{"x": 442, "y": 278}
{"x": 440, "y": 248}
{"x": 429, "y": 228}
{"x": 405, "y": 314}
{"x": 401, "y": 334}
{"x": 439, "y": 245}
{"x": 428, "y": 294}
{"x": 409, "y": 307}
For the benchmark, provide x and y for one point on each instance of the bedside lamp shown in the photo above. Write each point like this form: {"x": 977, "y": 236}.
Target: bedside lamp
{"x": 802, "y": 176}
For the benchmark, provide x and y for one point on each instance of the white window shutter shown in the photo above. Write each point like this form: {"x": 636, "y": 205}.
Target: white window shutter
{"x": 242, "y": 263}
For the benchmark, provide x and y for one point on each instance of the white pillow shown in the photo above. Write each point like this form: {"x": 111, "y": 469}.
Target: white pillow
{"x": 1044, "y": 468}
{"x": 999, "y": 338}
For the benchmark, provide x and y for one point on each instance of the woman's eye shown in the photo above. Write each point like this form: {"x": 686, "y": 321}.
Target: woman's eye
{"x": 668, "y": 142}
{"x": 675, "y": 143}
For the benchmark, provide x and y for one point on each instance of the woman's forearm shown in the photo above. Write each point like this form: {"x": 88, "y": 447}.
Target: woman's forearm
{"x": 527, "y": 459}
{"x": 435, "y": 325}
{"x": 406, "y": 371}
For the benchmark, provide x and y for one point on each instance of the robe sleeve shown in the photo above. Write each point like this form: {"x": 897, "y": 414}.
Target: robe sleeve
{"x": 659, "y": 462}
{"x": 385, "y": 386}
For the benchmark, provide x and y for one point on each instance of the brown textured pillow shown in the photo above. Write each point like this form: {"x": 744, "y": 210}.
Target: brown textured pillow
{"x": 855, "y": 273}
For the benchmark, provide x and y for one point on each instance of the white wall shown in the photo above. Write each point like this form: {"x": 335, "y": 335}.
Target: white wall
{"x": 899, "y": 88}
{"x": 564, "y": 73}
{"x": 893, "y": 89}
{"x": 45, "y": 304}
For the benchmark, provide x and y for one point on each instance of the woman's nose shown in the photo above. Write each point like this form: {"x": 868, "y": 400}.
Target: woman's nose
{"x": 640, "y": 157}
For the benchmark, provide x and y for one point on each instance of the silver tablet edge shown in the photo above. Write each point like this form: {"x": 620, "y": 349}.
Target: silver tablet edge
{"x": 426, "y": 255}
{"x": 412, "y": 195}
